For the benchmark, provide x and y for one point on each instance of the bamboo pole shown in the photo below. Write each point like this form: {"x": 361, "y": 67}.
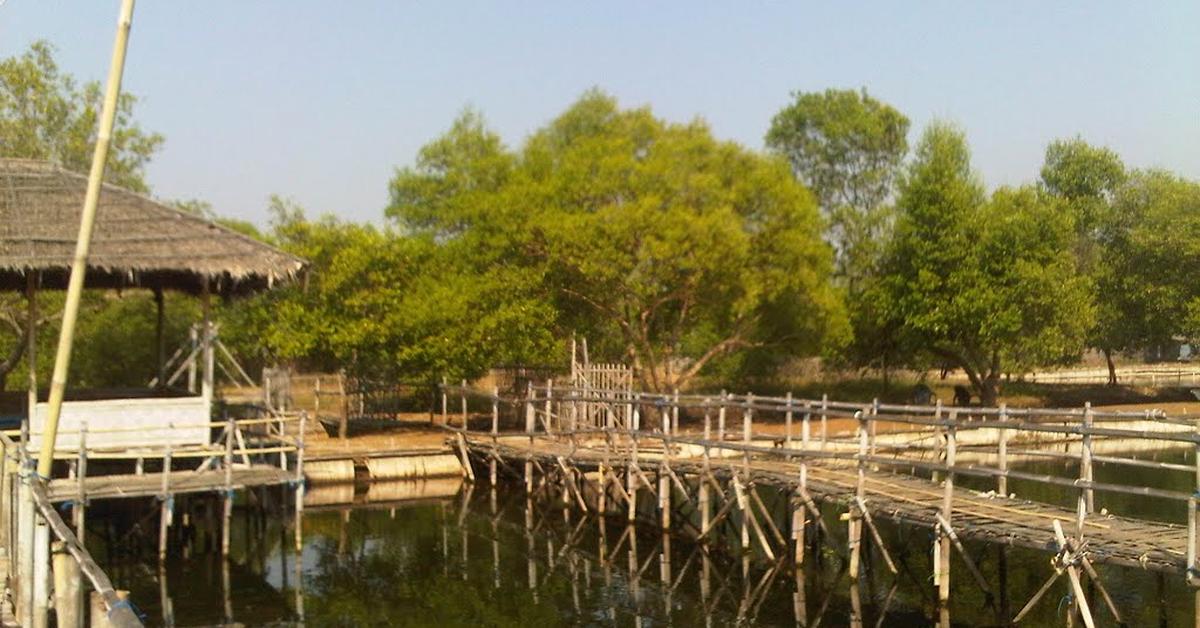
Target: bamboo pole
{"x": 300, "y": 486}
{"x": 1002, "y": 451}
{"x": 166, "y": 507}
{"x": 68, "y": 588}
{"x": 942, "y": 547}
{"x": 62, "y": 359}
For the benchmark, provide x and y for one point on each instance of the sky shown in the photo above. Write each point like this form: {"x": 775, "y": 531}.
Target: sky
{"x": 322, "y": 101}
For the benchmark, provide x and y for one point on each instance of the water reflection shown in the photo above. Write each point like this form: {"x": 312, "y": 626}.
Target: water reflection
{"x": 443, "y": 553}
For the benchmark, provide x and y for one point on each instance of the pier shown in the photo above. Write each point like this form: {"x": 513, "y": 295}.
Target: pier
{"x": 702, "y": 466}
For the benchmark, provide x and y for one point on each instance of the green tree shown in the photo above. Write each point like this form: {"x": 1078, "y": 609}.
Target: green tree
{"x": 45, "y": 114}
{"x": 847, "y": 147}
{"x": 1151, "y": 249}
{"x": 1088, "y": 179}
{"x": 382, "y": 304}
{"x": 675, "y": 249}
{"x": 990, "y": 286}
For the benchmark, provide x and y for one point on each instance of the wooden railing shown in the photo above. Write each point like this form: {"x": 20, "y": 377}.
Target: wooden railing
{"x": 258, "y": 442}
{"x": 967, "y": 441}
{"x": 27, "y": 521}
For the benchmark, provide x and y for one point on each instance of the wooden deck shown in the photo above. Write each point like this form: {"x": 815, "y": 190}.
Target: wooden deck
{"x": 151, "y": 484}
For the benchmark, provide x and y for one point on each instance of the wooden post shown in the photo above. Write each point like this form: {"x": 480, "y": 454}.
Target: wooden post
{"x": 25, "y": 542}
{"x": 1193, "y": 576}
{"x": 703, "y": 497}
{"x": 631, "y": 485}
{"x": 160, "y": 338}
{"x": 79, "y": 509}
{"x": 445, "y": 403}
{"x": 1085, "y": 464}
{"x": 1002, "y": 451}
{"x": 300, "y": 485}
{"x": 194, "y": 342}
{"x": 530, "y": 425}
{"x": 675, "y": 413}
{"x": 99, "y": 610}
{"x": 166, "y": 507}
{"x": 41, "y": 572}
{"x": 721, "y": 417}
{"x": 942, "y": 551}
{"x": 463, "y": 392}
{"x": 227, "y": 503}
{"x": 787, "y": 422}
{"x": 6, "y": 508}
{"x": 548, "y": 413}
{"x": 495, "y": 433}
{"x": 853, "y": 517}
{"x": 31, "y": 339}
{"x": 799, "y": 511}
{"x": 824, "y": 420}
{"x": 206, "y": 338}
{"x": 68, "y": 588}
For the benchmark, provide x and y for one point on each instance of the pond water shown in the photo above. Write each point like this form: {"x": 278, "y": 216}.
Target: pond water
{"x": 451, "y": 556}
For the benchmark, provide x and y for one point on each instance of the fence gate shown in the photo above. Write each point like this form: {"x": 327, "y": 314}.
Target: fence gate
{"x": 611, "y": 382}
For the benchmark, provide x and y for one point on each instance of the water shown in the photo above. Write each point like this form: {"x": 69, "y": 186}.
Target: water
{"x": 477, "y": 558}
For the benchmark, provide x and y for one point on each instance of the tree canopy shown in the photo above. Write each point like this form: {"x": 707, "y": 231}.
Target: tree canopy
{"x": 674, "y": 249}
{"x": 988, "y": 285}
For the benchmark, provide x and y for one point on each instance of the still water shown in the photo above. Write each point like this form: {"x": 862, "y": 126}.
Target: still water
{"x": 439, "y": 553}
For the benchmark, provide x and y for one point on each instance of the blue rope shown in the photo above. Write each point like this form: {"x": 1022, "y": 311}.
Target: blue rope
{"x": 1066, "y": 599}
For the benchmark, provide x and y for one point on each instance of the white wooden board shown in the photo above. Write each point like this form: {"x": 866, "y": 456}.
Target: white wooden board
{"x": 141, "y": 423}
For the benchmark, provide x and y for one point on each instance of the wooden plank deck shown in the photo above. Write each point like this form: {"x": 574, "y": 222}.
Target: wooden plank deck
{"x": 150, "y": 484}
{"x": 899, "y": 497}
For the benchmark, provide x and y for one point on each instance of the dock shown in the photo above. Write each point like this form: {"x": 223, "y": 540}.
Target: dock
{"x": 705, "y": 467}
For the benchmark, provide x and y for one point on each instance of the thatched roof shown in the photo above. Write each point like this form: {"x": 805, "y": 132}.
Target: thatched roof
{"x": 138, "y": 242}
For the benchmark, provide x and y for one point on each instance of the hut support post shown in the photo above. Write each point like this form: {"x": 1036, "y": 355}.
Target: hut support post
{"x": 1193, "y": 575}
{"x": 31, "y": 339}
{"x": 160, "y": 339}
{"x": 206, "y": 343}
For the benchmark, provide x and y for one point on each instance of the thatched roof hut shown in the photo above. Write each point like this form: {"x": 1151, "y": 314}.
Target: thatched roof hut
{"x": 138, "y": 242}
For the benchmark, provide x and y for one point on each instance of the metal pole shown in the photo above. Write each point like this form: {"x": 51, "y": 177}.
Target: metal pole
{"x": 62, "y": 359}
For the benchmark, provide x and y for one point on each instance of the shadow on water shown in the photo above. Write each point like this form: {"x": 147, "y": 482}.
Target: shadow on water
{"x": 433, "y": 555}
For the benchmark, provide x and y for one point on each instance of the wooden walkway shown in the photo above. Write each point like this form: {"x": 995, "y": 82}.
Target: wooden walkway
{"x": 151, "y": 484}
{"x": 898, "y": 497}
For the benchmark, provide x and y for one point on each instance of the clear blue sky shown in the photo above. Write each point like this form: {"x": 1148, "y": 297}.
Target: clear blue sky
{"x": 321, "y": 101}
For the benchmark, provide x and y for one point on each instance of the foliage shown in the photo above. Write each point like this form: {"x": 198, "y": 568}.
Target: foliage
{"x": 674, "y": 248}
{"x": 988, "y": 285}
{"x": 386, "y": 305}
{"x": 45, "y": 114}
{"x": 846, "y": 147}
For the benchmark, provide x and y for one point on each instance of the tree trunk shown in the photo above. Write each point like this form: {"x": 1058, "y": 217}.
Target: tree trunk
{"x": 1112, "y": 368}
{"x": 989, "y": 392}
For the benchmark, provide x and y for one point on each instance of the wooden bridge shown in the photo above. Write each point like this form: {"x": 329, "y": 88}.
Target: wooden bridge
{"x": 705, "y": 466}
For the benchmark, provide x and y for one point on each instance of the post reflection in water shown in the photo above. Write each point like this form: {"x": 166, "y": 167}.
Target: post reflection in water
{"x": 457, "y": 554}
